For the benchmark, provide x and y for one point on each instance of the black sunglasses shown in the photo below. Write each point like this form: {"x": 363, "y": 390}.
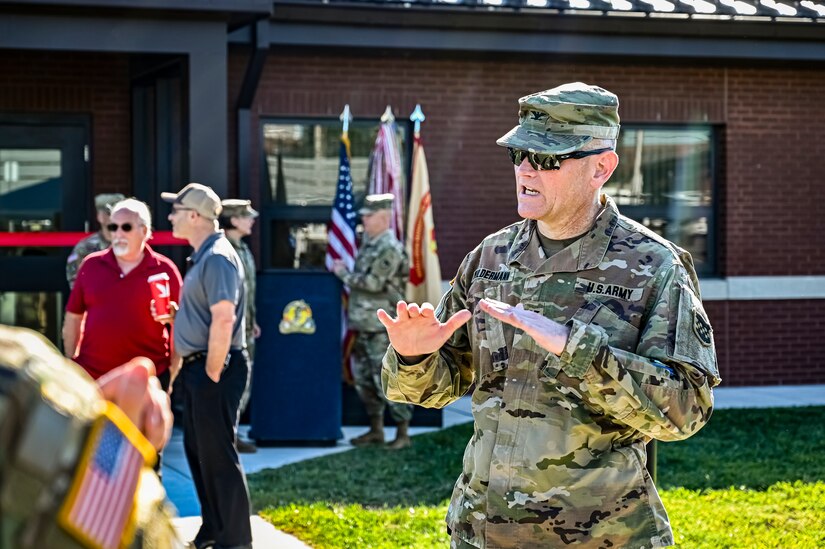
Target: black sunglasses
{"x": 541, "y": 161}
{"x": 113, "y": 227}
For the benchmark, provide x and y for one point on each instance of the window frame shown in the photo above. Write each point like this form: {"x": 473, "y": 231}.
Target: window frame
{"x": 710, "y": 268}
{"x": 271, "y": 212}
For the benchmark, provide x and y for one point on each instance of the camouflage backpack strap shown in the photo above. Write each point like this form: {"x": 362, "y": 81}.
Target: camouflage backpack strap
{"x": 55, "y": 430}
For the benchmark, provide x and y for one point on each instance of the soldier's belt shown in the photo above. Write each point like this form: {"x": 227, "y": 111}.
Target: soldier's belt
{"x": 194, "y": 356}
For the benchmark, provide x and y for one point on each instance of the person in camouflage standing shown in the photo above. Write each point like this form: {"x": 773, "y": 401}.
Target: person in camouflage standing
{"x": 48, "y": 405}
{"x": 94, "y": 242}
{"x": 378, "y": 279}
{"x": 237, "y": 219}
{"x": 584, "y": 336}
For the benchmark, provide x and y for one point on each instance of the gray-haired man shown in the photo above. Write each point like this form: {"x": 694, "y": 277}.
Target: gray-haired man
{"x": 586, "y": 339}
{"x": 209, "y": 342}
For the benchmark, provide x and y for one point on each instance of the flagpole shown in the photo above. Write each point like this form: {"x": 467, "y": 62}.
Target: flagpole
{"x": 417, "y": 117}
{"x": 341, "y": 243}
{"x": 424, "y": 284}
{"x": 346, "y": 118}
{"x": 388, "y": 116}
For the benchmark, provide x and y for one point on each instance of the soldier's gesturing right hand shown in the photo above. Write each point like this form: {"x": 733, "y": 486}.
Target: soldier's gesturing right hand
{"x": 416, "y": 331}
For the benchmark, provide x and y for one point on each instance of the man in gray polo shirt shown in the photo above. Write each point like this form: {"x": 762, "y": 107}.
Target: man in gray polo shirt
{"x": 209, "y": 353}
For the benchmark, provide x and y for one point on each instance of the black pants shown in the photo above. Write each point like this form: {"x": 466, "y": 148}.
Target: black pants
{"x": 210, "y": 413}
{"x": 164, "y": 384}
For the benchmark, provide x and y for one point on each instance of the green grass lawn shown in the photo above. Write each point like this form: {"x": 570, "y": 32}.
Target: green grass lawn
{"x": 751, "y": 479}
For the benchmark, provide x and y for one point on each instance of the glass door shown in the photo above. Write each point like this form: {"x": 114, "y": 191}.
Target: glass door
{"x": 43, "y": 189}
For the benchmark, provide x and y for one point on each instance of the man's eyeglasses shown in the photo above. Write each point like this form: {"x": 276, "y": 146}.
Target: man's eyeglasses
{"x": 541, "y": 161}
{"x": 113, "y": 227}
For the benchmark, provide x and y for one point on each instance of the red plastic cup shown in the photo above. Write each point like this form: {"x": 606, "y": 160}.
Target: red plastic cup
{"x": 159, "y": 284}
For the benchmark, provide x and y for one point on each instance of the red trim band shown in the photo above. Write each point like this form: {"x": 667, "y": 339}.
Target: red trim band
{"x": 67, "y": 239}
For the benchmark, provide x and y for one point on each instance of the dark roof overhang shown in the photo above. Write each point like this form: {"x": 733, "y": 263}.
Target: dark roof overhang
{"x": 236, "y": 12}
{"x": 383, "y": 25}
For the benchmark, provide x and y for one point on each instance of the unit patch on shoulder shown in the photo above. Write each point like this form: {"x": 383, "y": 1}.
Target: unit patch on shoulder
{"x": 702, "y": 328}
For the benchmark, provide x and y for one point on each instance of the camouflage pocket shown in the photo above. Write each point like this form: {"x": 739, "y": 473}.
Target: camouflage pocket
{"x": 620, "y": 333}
{"x": 653, "y": 375}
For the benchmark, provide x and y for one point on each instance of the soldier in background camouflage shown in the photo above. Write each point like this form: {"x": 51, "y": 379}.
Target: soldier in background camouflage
{"x": 379, "y": 279}
{"x": 47, "y": 405}
{"x": 585, "y": 337}
{"x": 237, "y": 219}
{"x": 94, "y": 242}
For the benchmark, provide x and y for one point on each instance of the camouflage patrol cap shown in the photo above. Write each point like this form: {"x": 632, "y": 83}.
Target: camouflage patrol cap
{"x": 235, "y": 207}
{"x": 564, "y": 119}
{"x": 104, "y": 202}
{"x": 376, "y": 202}
{"x": 199, "y": 198}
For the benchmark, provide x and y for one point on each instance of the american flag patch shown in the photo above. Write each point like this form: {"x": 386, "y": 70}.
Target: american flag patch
{"x": 99, "y": 509}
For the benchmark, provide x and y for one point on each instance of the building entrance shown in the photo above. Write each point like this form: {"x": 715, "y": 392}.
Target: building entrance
{"x": 44, "y": 189}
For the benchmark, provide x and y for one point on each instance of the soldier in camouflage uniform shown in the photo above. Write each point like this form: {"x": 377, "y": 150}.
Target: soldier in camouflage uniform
{"x": 237, "y": 219}
{"x": 378, "y": 279}
{"x": 47, "y": 407}
{"x": 94, "y": 242}
{"x": 585, "y": 337}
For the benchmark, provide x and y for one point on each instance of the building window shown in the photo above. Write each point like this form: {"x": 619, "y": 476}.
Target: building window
{"x": 666, "y": 181}
{"x": 301, "y": 173}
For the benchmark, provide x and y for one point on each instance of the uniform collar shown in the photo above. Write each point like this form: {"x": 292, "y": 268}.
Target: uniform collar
{"x": 207, "y": 244}
{"x": 585, "y": 253}
{"x": 378, "y": 238}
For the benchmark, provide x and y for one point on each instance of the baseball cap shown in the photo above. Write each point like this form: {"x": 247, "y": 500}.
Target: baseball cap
{"x": 235, "y": 207}
{"x": 376, "y": 202}
{"x": 200, "y": 198}
{"x": 564, "y": 119}
{"x": 105, "y": 201}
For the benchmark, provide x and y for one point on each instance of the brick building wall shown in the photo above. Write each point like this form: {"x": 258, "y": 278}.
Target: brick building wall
{"x": 770, "y": 220}
{"x": 94, "y": 84}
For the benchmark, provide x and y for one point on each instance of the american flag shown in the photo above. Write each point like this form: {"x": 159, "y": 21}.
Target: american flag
{"x": 99, "y": 508}
{"x": 341, "y": 230}
{"x": 341, "y": 244}
{"x": 386, "y": 174}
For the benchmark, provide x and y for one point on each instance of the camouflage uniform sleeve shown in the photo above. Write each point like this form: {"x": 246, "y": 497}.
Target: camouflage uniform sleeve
{"x": 664, "y": 389}
{"x": 444, "y": 376}
{"x": 380, "y": 271}
{"x": 73, "y": 263}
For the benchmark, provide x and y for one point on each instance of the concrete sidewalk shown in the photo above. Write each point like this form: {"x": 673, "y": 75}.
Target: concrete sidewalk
{"x": 178, "y": 482}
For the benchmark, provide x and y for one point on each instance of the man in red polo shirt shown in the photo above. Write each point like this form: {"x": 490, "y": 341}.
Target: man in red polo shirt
{"x": 108, "y": 318}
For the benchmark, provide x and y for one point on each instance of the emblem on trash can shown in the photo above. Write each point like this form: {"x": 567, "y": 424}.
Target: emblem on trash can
{"x": 297, "y": 318}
